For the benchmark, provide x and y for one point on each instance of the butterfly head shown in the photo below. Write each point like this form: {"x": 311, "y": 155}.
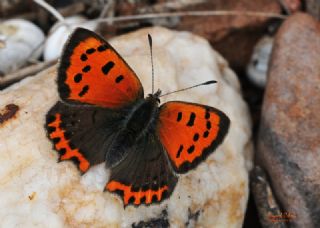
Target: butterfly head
{"x": 155, "y": 96}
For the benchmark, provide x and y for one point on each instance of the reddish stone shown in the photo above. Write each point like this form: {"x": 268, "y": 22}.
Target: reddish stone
{"x": 291, "y": 6}
{"x": 233, "y": 36}
{"x": 289, "y": 137}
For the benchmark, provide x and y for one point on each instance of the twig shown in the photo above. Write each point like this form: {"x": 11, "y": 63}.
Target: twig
{"x": 72, "y": 9}
{"x": 108, "y": 9}
{"x": 69, "y": 10}
{"x": 285, "y": 7}
{"x": 38, "y": 48}
{"x": 25, "y": 72}
{"x": 190, "y": 13}
{"x": 50, "y": 9}
{"x": 167, "y": 6}
{"x": 2, "y": 41}
{"x": 182, "y": 14}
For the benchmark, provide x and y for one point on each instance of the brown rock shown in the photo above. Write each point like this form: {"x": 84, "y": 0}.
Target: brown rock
{"x": 10, "y": 8}
{"x": 233, "y": 36}
{"x": 291, "y": 6}
{"x": 289, "y": 137}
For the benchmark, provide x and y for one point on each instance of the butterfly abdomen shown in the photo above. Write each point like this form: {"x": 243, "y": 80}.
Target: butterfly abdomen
{"x": 139, "y": 121}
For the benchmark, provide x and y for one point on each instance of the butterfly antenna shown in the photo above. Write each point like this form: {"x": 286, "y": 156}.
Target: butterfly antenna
{"x": 150, "y": 46}
{"x": 201, "y": 84}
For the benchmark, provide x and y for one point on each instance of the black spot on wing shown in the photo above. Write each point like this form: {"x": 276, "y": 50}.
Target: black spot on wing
{"x": 90, "y": 51}
{"x": 86, "y": 69}
{"x": 196, "y": 137}
{"x": 62, "y": 151}
{"x": 143, "y": 199}
{"x": 205, "y": 134}
{"x": 56, "y": 140}
{"x": 119, "y": 192}
{"x": 119, "y": 78}
{"x": 84, "y": 90}
{"x": 179, "y": 151}
{"x": 207, "y": 115}
{"x": 191, "y": 119}
{"x": 75, "y": 160}
{"x": 154, "y": 198}
{"x": 51, "y": 118}
{"x": 77, "y": 78}
{"x": 102, "y": 47}
{"x": 131, "y": 200}
{"x": 83, "y": 57}
{"x": 179, "y": 117}
{"x": 190, "y": 149}
{"x": 72, "y": 146}
{"x": 208, "y": 125}
{"x": 107, "y": 67}
{"x": 51, "y": 129}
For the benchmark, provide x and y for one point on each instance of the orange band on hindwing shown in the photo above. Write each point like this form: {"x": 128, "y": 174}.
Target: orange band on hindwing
{"x": 136, "y": 197}
{"x": 62, "y": 145}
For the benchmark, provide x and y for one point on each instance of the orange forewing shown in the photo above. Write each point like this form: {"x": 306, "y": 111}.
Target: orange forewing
{"x": 137, "y": 196}
{"x": 190, "y": 132}
{"x": 62, "y": 145}
{"x": 92, "y": 72}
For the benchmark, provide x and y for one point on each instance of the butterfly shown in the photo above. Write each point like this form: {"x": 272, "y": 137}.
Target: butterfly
{"x": 103, "y": 116}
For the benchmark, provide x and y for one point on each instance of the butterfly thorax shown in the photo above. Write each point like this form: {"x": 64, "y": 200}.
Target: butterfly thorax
{"x": 143, "y": 115}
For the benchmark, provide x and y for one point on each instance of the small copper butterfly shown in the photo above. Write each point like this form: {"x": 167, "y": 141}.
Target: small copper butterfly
{"x": 104, "y": 117}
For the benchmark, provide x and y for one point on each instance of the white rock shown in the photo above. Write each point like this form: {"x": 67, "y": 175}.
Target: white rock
{"x": 259, "y": 62}
{"x": 36, "y": 190}
{"x": 21, "y": 41}
{"x": 59, "y": 34}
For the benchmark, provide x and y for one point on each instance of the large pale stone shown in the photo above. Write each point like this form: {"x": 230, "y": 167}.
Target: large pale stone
{"x": 35, "y": 190}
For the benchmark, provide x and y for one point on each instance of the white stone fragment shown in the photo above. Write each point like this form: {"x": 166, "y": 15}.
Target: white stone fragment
{"x": 59, "y": 34}
{"x": 259, "y": 62}
{"x": 20, "y": 41}
{"x": 35, "y": 190}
